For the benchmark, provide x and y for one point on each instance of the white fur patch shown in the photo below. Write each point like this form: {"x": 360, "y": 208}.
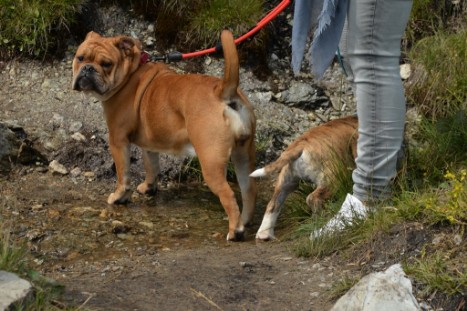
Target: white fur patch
{"x": 239, "y": 120}
{"x": 266, "y": 230}
{"x": 258, "y": 173}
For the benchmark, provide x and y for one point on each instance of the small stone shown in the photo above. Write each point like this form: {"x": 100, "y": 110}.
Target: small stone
{"x": 146, "y": 224}
{"x": 217, "y": 235}
{"x": 58, "y": 168}
{"x": 76, "y": 126}
{"x": 119, "y": 227}
{"x": 405, "y": 71}
{"x": 104, "y": 213}
{"x": 37, "y": 207}
{"x": 78, "y": 137}
{"x": 89, "y": 174}
{"x": 457, "y": 239}
{"x": 75, "y": 172}
{"x": 438, "y": 239}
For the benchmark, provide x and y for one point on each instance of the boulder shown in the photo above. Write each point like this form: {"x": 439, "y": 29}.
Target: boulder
{"x": 390, "y": 290}
{"x": 12, "y": 289}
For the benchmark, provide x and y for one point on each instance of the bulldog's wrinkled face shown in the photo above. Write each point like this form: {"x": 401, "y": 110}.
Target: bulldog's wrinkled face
{"x": 103, "y": 65}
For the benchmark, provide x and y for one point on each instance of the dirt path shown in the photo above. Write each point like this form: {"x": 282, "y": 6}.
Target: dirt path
{"x": 167, "y": 253}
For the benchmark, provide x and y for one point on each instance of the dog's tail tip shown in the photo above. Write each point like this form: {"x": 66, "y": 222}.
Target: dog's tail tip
{"x": 258, "y": 173}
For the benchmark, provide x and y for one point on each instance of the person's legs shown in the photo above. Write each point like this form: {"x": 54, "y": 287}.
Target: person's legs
{"x": 375, "y": 29}
{"x": 371, "y": 49}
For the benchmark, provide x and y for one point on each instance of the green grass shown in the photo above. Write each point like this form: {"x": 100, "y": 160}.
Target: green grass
{"x": 34, "y": 27}
{"x": 437, "y": 146}
{"x": 434, "y": 273}
{"x": 341, "y": 287}
{"x": 237, "y": 15}
{"x": 13, "y": 258}
{"x": 438, "y": 85}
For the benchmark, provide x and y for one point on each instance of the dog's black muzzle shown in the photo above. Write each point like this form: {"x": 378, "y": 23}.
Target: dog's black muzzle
{"x": 85, "y": 81}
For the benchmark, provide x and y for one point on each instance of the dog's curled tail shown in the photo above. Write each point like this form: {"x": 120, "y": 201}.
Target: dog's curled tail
{"x": 231, "y": 64}
{"x": 286, "y": 157}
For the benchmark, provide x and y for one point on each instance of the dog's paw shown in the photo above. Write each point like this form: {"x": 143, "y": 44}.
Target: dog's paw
{"x": 264, "y": 236}
{"x": 148, "y": 189}
{"x": 238, "y": 235}
{"x": 119, "y": 198}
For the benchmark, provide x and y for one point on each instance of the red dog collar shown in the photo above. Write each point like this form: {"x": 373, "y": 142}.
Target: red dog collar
{"x": 144, "y": 58}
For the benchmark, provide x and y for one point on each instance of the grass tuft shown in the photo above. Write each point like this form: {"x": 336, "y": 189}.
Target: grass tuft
{"x": 237, "y": 15}
{"x": 34, "y": 27}
{"x": 434, "y": 274}
{"x": 438, "y": 86}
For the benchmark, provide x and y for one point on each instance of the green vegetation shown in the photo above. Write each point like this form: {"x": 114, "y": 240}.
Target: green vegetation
{"x": 13, "y": 258}
{"x": 236, "y": 15}
{"x": 33, "y": 27}
{"x": 439, "y": 85}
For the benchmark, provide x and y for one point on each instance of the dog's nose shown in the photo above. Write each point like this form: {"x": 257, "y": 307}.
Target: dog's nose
{"x": 88, "y": 69}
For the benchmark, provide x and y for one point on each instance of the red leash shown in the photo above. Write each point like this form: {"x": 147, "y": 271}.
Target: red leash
{"x": 177, "y": 56}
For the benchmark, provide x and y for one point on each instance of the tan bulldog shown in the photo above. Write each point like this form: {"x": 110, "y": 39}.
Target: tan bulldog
{"x": 153, "y": 107}
{"x": 311, "y": 157}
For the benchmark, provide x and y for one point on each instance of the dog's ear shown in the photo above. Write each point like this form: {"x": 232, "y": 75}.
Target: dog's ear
{"x": 128, "y": 45}
{"x": 93, "y": 34}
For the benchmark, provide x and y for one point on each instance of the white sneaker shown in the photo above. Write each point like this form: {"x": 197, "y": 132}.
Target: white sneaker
{"x": 351, "y": 209}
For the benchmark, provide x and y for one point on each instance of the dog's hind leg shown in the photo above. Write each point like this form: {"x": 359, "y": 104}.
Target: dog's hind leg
{"x": 151, "y": 168}
{"x": 316, "y": 199}
{"x": 243, "y": 158}
{"x": 286, "y": 184}
{"x": 213, "y": 167}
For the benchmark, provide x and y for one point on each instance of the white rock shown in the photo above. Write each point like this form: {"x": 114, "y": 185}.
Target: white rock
{"x": 390, "y": 290}
{"x": 78, "y": 137}
{"x": 56, "y": 167}
{"x": 76, "y": 126}
{"x": 12, "y": 289}
{"x": 405, "y": 71}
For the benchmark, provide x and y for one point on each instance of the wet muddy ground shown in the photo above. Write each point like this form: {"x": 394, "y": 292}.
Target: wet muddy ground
{"x": 162, "y": 253}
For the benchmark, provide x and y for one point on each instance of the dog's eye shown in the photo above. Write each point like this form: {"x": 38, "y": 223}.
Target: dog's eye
{"x": 80, "y": 58}
{"x": 106, "y": 64}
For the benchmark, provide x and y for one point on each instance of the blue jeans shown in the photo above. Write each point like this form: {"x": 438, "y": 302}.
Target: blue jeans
{"x": 371, "y": 48}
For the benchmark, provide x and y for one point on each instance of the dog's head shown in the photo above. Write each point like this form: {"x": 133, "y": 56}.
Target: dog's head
{"x": 103, "y": 65}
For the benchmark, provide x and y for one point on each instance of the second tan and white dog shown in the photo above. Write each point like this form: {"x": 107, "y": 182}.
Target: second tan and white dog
{"x": 153, "y": 107}
{"x": 311, "y": 157}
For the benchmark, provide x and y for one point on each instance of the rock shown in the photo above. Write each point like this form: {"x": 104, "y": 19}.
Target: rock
{"x": 147, "y": 224}
{"x": 119, "y": 227}
{"x": 390, "y": 290}
{"x": 9, "y": 146}
{"x": 58, "y": 168}
{"x": 15, "y": 147}
{"x": 78, "y": 137}
{"x": 89, "y": 174}
{"x": 76, "y": 126}
{"x": 405, "y": 71}
{"x": 12, "y": 289}
{"x": 75, "y": 172}
{"x": 299, "y": 92}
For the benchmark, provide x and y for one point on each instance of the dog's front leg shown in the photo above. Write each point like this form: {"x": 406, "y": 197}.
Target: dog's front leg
{"x": 286, "y": 184}
{"x": 121, "y": 155}
{"x": 151, "y": 167}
